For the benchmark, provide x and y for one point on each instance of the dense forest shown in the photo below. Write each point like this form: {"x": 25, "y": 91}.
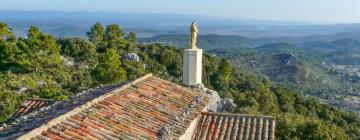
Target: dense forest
{"x": 42, "y": 66}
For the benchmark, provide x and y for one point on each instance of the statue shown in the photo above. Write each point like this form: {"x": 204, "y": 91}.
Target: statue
{"x": 193, "y": 35}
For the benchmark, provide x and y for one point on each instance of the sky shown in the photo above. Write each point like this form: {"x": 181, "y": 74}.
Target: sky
{"x": 312, "y": 11}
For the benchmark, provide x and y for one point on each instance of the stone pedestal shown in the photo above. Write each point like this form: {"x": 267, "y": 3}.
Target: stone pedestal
{"x": 192, "y": 68}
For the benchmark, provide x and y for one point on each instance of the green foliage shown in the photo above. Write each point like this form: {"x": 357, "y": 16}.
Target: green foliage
{"x": 172, "y": 60}
{"x": 33, "y": 67}
{"x": 6, "y": 34}
{"x": 8, "y": 56}
{"x": 39, "y": 52}
{"x": 109, "y": 69}
{"x": 96, "y": 34}
{"x": 114, "y": 38}
{"x": 80, "y": 49}
{"x": 9, "y": 100}
{"x": 81, "y": 79}
{"x": 297, "y": 127}
{"x": 8, "y": 49}
{"x": 8, "y": 104}
{"x": 131, "y": 39}
{"x": 222, "y": 78}
{"x": 52, "y": 91}
{"x": 292, "y": 103}
{"x": 134, "y": 69}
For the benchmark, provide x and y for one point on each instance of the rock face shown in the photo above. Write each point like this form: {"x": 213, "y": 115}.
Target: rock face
{"x": 216, "y": 104}
{"x": 227, "y": 105}
{"x": 67, "y": 60}
{"x": 132, "y": 57}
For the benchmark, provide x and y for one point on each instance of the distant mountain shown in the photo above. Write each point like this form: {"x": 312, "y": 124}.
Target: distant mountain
{"x": 342, "y": 51}
{"x": 206, "y": 42}
{"x": 151, "y": 24}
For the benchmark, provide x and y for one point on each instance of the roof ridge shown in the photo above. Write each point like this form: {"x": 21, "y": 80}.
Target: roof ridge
{"x": 179, "y": 85}
{"x": 62, "y": 117}
{"x": 236, "y": 115}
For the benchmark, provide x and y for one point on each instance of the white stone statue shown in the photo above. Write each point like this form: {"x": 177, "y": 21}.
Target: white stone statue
{"x": 193, "y": 35}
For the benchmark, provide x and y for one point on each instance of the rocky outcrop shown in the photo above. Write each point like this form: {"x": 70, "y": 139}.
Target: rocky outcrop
{"x": 216, "y": 103}
{"x": 227, "y": 105}
{"x": 132, "y": 57}
{"x": 68, "y": 60}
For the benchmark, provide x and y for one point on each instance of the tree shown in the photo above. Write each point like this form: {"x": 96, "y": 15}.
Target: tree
{"x": 172, "y": 60}
{"x": 96, "y": 34}
{"x": 8, "y": 48}
{"x": 221, "y": 79}
{"x": 83, "y": 51}
{"x": 114, "y": 38}
{"x": 131, "y": 39}
{"x": 9, "y": 101}
{"x": 52, "y": 91}
{"x": 39, "y": 51}
{"x": 109, "y": 68}
{"x": 8, "y": 56}
{"x": 4, "y": 30}
{"x": 6, "y": 34}
{"x": 285, "y": 98}
{"x": 134, "y": 69}
{"x": 292, "y": 126}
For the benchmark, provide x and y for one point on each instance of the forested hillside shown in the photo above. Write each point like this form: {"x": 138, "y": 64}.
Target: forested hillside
{"x": 326, "y": 67}
{"x": 322, "y": 70}
{"x": 42, "y": 66}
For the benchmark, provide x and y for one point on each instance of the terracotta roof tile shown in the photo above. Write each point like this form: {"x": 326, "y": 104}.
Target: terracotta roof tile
{"x": 30, "y": 105}
{"x": 234, "y": 127}
{"x": 140, "y": 111}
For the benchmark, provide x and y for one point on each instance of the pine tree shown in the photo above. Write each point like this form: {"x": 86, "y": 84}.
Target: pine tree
{"x": 114, "y": 38}
{"x": 96, "y": 34}
{"x": 109, "y": 69}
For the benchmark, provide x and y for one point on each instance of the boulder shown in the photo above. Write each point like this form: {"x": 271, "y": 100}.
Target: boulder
{"x": 216, "y": 104}
{"x": 214, "y": 101}
{"x": 199, "y": 88}
{"x": 227, "y": 105}
{"x": 132, "y": 57}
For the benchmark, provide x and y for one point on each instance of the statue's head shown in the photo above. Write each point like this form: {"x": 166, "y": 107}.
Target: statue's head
{"x": 193, "y": 23}
{"x": 193, "y": 26}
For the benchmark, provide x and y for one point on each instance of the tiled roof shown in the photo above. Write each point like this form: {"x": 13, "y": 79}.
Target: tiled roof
{"x": 21, "y": 125}
{"x": 149, "y": 108}
{"x": 30, "y": 105}
{"x": 234, "y": 127}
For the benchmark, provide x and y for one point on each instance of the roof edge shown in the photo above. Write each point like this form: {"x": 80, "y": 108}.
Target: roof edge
{"x": 40, "y": 99}
{"x": 60, "y": 118}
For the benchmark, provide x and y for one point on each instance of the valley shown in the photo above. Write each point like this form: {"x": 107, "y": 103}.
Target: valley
{"x": 325, "y": 69}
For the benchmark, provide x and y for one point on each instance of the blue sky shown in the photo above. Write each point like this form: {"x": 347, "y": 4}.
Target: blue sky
{"x": 317, "y": 11}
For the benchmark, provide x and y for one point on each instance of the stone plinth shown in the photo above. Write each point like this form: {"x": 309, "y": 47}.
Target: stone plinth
{"x": 192, "y": 68}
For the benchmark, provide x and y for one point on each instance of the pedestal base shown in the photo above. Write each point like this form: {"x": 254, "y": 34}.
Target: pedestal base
{"x": 192, "y": 68}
